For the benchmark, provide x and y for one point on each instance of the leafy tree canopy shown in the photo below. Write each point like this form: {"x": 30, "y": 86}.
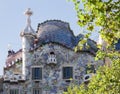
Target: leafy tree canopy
{"x": 106, "y": 15}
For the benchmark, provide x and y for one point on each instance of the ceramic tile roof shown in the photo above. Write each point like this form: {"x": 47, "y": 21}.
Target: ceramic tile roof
{"x": 56, "y": 31}
{"x": 14, "y": 57}
{"x": 59, "y": 32}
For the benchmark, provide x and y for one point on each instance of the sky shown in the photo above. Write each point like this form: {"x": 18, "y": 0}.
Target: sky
{"x": 13, "y": 20}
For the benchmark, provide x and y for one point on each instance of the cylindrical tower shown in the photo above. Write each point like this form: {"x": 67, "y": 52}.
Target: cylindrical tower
{"x": 28, "y": 36}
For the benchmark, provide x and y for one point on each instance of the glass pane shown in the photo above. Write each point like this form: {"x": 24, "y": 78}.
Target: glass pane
{"x": 67, "y": 72}
{"x": 36, "y": 73}
{"x": 36, "y": 91}
{"x": 14, "y": 91}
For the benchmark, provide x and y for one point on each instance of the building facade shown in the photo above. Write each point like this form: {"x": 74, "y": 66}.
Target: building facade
{"x": 47, "y": 62}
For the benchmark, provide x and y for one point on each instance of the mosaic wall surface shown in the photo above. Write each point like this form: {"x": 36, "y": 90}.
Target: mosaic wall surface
{"x": 16, "y": 68}
{"x": 52, "y": 81}
{"x": 52, "y": 75}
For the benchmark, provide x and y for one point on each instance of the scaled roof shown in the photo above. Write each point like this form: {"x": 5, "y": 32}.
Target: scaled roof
{"x": 56, "y": 31}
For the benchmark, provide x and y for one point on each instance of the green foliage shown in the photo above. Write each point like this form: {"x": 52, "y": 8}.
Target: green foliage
{"x": 106, "y": 15}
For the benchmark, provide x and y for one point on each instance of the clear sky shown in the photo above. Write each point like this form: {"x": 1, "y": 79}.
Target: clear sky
{"x": 12, "y": 20}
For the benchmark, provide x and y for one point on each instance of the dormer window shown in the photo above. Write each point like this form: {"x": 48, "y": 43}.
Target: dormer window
{"x": 51, "y": 58}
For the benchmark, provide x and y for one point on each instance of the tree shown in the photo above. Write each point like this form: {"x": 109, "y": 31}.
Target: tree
{"x": 106, "y": 15}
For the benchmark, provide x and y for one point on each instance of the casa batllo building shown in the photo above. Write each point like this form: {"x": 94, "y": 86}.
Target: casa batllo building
{"x": 47, "y": 62}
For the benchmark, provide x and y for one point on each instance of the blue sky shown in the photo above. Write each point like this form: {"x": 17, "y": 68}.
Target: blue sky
{"x": 12, "y": 20}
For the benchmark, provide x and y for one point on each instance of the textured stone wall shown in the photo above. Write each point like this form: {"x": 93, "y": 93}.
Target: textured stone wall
{"x": 52, "y": 81}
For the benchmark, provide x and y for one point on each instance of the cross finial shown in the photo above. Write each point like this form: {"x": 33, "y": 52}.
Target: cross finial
{"x": 28, "y": 13}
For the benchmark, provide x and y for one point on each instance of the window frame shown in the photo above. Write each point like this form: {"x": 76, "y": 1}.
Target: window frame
{"x": 37, "y": 88}
{"x": 32, "y": 73}
{"x": 13, "y": 91}
{"x": 72, "y": 72}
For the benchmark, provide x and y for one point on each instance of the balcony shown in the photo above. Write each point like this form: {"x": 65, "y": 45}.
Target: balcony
{"x": 6, "y": 78}
{"x": 52, "y": 59}
{"x": 14, "y": 78}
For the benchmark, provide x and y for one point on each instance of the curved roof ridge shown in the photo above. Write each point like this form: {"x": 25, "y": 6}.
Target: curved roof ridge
{"x": 56, "y": 22}
{"x": 52, "y": 21}
{"x": 56, "y": 31}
